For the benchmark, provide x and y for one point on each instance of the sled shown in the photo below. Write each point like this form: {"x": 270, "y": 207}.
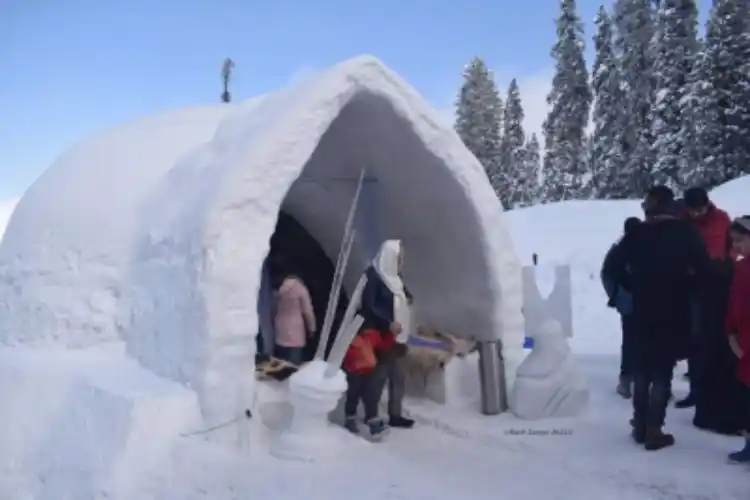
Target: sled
{"x": 275, "y": 369}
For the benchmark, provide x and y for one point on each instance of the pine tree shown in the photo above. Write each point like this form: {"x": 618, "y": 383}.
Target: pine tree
{"x": 570, "y": 101}
{"x": 609, "y": 179}
{"x": 675, "y": 47}
{"x": 478, "y": 114}
{"x": 512, "y": 149}
{"x": 700, "y": 126}
{"x": 728, "y": 53}
{"x": 634, "y": 23}
{"x": 531, "y": 167}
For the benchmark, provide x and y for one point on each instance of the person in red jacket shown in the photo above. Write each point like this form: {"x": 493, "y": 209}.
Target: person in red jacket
{"x": 738, "y": 321}
{"x": 705, "y": 312}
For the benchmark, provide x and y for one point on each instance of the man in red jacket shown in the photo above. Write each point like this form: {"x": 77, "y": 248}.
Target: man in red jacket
{"x": 738, "y": 321}
{"x": 712, "y": 224}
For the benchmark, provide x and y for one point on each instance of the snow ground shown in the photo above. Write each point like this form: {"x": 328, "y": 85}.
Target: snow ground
{"x": 451, "y": 453}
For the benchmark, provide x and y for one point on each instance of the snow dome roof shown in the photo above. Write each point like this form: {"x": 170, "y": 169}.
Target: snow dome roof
{"x": 155, "y": 231}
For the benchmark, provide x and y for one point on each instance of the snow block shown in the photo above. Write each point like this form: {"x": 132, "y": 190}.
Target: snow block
{"x": 103, "y": 437}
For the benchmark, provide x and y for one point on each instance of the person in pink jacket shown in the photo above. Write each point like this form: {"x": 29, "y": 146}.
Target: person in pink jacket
{"x": 294, "y": 319}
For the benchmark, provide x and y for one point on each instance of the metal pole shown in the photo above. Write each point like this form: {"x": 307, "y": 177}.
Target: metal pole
{"x": 338, "y": 276}
{"x": 491, "y": 378}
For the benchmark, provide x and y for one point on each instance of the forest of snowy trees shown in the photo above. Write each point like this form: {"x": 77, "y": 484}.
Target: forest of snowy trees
{"x": 667, "y": 106}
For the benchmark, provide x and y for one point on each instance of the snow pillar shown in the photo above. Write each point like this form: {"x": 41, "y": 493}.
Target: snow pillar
{"x": 491, "y": 378}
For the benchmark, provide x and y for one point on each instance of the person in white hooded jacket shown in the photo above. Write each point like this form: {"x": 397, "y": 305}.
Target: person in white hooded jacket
{"x": 386, "y": 313}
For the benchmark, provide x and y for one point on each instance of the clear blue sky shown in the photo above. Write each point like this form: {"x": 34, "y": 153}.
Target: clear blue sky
{"x": 70, "y": 68}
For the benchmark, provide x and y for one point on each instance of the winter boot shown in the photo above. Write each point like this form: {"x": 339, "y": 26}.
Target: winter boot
{"x": 378, "y": 428}
{"x": 624, "y": 387}
{"x": 742, "y": 456}
{"x": 688, "y": 402}
{"x": 351, "y": 425}
{"x": 400, "y": 422}
{"x": 656, "y": 439}
{"x": 639, "y": 432}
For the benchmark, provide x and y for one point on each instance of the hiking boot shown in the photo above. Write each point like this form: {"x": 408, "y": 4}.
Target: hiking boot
{"x": 625, "y": 387}
{"x": 742, "y": 456}
{"x": 377, "y": 427}
{"x": 639, "y": 432}
{"x": 401, "y": 422}
{"x": 351, "y": 425}
{"x": 688, "y": 402}
{"x": 656, "y": 439}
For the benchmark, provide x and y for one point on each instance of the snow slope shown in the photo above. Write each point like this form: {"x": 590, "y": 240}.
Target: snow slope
{"x": 579, "y": 233}
{"x": 6, "y": 210}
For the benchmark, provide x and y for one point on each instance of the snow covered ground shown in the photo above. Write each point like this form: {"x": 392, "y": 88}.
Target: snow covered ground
{"x": 451, "y": 453}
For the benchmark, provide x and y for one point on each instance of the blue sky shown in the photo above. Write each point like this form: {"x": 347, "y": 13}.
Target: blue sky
{"x": 73, "y": 67}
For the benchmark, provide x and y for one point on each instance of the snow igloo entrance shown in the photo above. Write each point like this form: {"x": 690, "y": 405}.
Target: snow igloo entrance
{"x": 294, "y": 251}
{"x": 407, "y": 194}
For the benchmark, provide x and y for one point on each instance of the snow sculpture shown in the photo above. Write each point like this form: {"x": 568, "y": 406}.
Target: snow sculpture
{"x": 557, "y": 306}
{"x": 547, "y": 383}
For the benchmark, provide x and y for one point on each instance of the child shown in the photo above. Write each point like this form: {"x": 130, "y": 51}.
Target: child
{"x": 294, "y": 319}
{"x": 738, "y": 322}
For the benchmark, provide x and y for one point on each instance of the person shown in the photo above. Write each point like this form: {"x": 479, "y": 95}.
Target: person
{"x": 712, "y": 224}
{"x": 621, "y": 300}
{"x": 294, "y": 319}
{"x": 392, "y": 369}
{"x": 738, "y": 323}
{"x": 654, "y": 263}
{"x": 385, "y": 310}
{"x": 717, "y": 402}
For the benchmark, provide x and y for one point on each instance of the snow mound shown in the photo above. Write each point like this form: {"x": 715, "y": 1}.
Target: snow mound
{"x": 733, "y": 196}
{"x": 84, "y": 422}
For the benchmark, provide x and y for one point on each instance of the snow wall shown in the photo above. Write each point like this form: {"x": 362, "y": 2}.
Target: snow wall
{"x": 154, "y": 233}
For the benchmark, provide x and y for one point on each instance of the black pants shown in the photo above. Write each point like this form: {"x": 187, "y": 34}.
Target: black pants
{"x": 652, "y": 386}
{"x": 746, "y": 405}
{"x": 627, "y": 354}
{"x": 367, "y": 388}
{"x": 699, "y": 321}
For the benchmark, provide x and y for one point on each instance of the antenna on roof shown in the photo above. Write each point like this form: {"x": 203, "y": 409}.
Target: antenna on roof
{"x": 226, "y": 75}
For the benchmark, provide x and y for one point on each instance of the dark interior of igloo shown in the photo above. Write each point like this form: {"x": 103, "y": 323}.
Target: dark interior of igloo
{"x": 293, "y": 250}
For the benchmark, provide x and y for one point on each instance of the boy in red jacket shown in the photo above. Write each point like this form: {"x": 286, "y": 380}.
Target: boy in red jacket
{"x": 738, "y": 321}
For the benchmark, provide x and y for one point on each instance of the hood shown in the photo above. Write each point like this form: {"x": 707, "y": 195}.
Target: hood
{"x": 385, "y": 264}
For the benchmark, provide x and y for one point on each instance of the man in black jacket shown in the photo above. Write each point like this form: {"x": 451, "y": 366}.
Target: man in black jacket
{"x": 657, "y": 263}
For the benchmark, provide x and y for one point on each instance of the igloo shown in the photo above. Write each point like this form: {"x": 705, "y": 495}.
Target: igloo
{"x": 153, "y": 234}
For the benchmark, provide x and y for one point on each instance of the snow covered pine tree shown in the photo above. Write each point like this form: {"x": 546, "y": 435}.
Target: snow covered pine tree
{"x": 610, "y": 179}
{"x": 728, "y": 51}
{"x": 532, "y": 164}
{"x": 512, "y": 144}
{"x": 478, "y": 114}
{"x": 565, "y": 163}
{"x": 634, "y": 23}
{"x": 675, "y": 47}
